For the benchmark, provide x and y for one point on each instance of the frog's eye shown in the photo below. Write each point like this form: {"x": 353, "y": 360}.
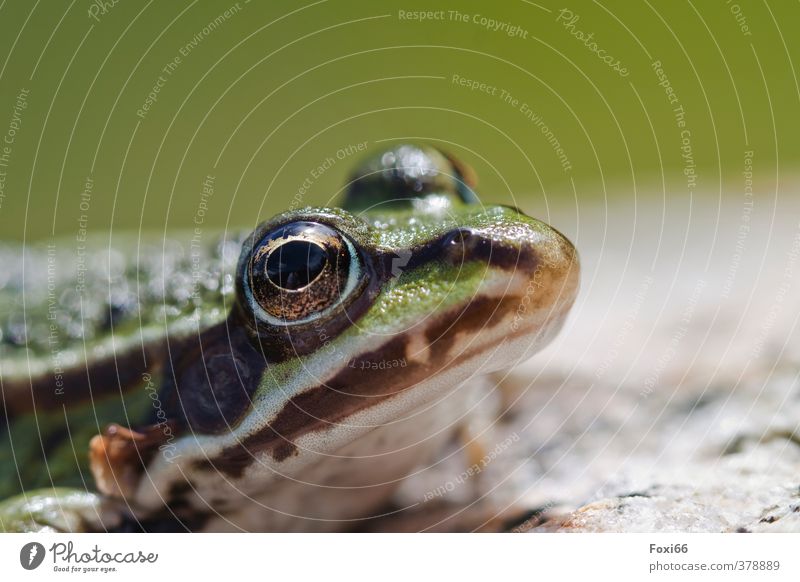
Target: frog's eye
{"x": 300, "y": 270}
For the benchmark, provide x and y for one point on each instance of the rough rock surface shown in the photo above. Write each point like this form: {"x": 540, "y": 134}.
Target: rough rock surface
{"x": 670, "y": 402}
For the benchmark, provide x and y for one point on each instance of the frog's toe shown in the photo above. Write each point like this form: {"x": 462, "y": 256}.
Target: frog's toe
{"x": 58, "y": 510}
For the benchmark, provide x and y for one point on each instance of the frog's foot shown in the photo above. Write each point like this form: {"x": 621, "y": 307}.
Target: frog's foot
{"x": 59, "y": 510}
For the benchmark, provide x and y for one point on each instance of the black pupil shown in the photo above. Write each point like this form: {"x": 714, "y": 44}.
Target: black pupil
{"x": 295, "y": 264}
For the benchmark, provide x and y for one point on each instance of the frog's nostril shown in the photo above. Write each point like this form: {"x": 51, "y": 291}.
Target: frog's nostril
{"x": 464, "y": 244}
{"x": 507, "y": 253}
{"x": 461, "y": 236}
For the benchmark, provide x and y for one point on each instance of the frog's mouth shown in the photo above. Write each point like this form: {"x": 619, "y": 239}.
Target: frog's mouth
{"x": 513, "y": 297}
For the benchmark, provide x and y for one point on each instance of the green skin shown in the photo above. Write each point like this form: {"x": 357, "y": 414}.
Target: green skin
{"x": 510, "y": 282}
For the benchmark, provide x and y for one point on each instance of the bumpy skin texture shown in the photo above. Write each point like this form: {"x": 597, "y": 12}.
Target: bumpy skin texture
{"x": 63, "y": 304}
{"x": 139, "y": 282}
{"x": 244, "y": 411}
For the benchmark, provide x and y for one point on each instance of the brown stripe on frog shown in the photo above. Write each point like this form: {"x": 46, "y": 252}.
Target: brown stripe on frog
{"x": 463, "y": 245}
{"x": 480, "y": 313}
{"x": 125, "y": 370}
{"x": 354, "y": 389}
{"x": 314, "y": 409}
{"x": 80, "y": 383}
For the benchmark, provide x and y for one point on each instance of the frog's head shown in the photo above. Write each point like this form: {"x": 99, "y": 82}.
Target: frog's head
{"x": 348, "y": 319}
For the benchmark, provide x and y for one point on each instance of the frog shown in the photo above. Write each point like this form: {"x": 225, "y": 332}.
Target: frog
{"x": 285, "y": 378}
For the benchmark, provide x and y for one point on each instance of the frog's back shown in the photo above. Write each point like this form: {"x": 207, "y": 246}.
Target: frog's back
{"x": 82, "y": 326}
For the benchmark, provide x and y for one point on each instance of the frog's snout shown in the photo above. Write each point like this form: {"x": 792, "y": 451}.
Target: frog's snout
{"x": 532, "y": 257}
{"x": 546, "y": 284}
{"x": 532, "y": 274}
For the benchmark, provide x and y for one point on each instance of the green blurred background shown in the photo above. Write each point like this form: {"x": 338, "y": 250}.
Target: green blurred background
{"x": 267, "y": 93}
